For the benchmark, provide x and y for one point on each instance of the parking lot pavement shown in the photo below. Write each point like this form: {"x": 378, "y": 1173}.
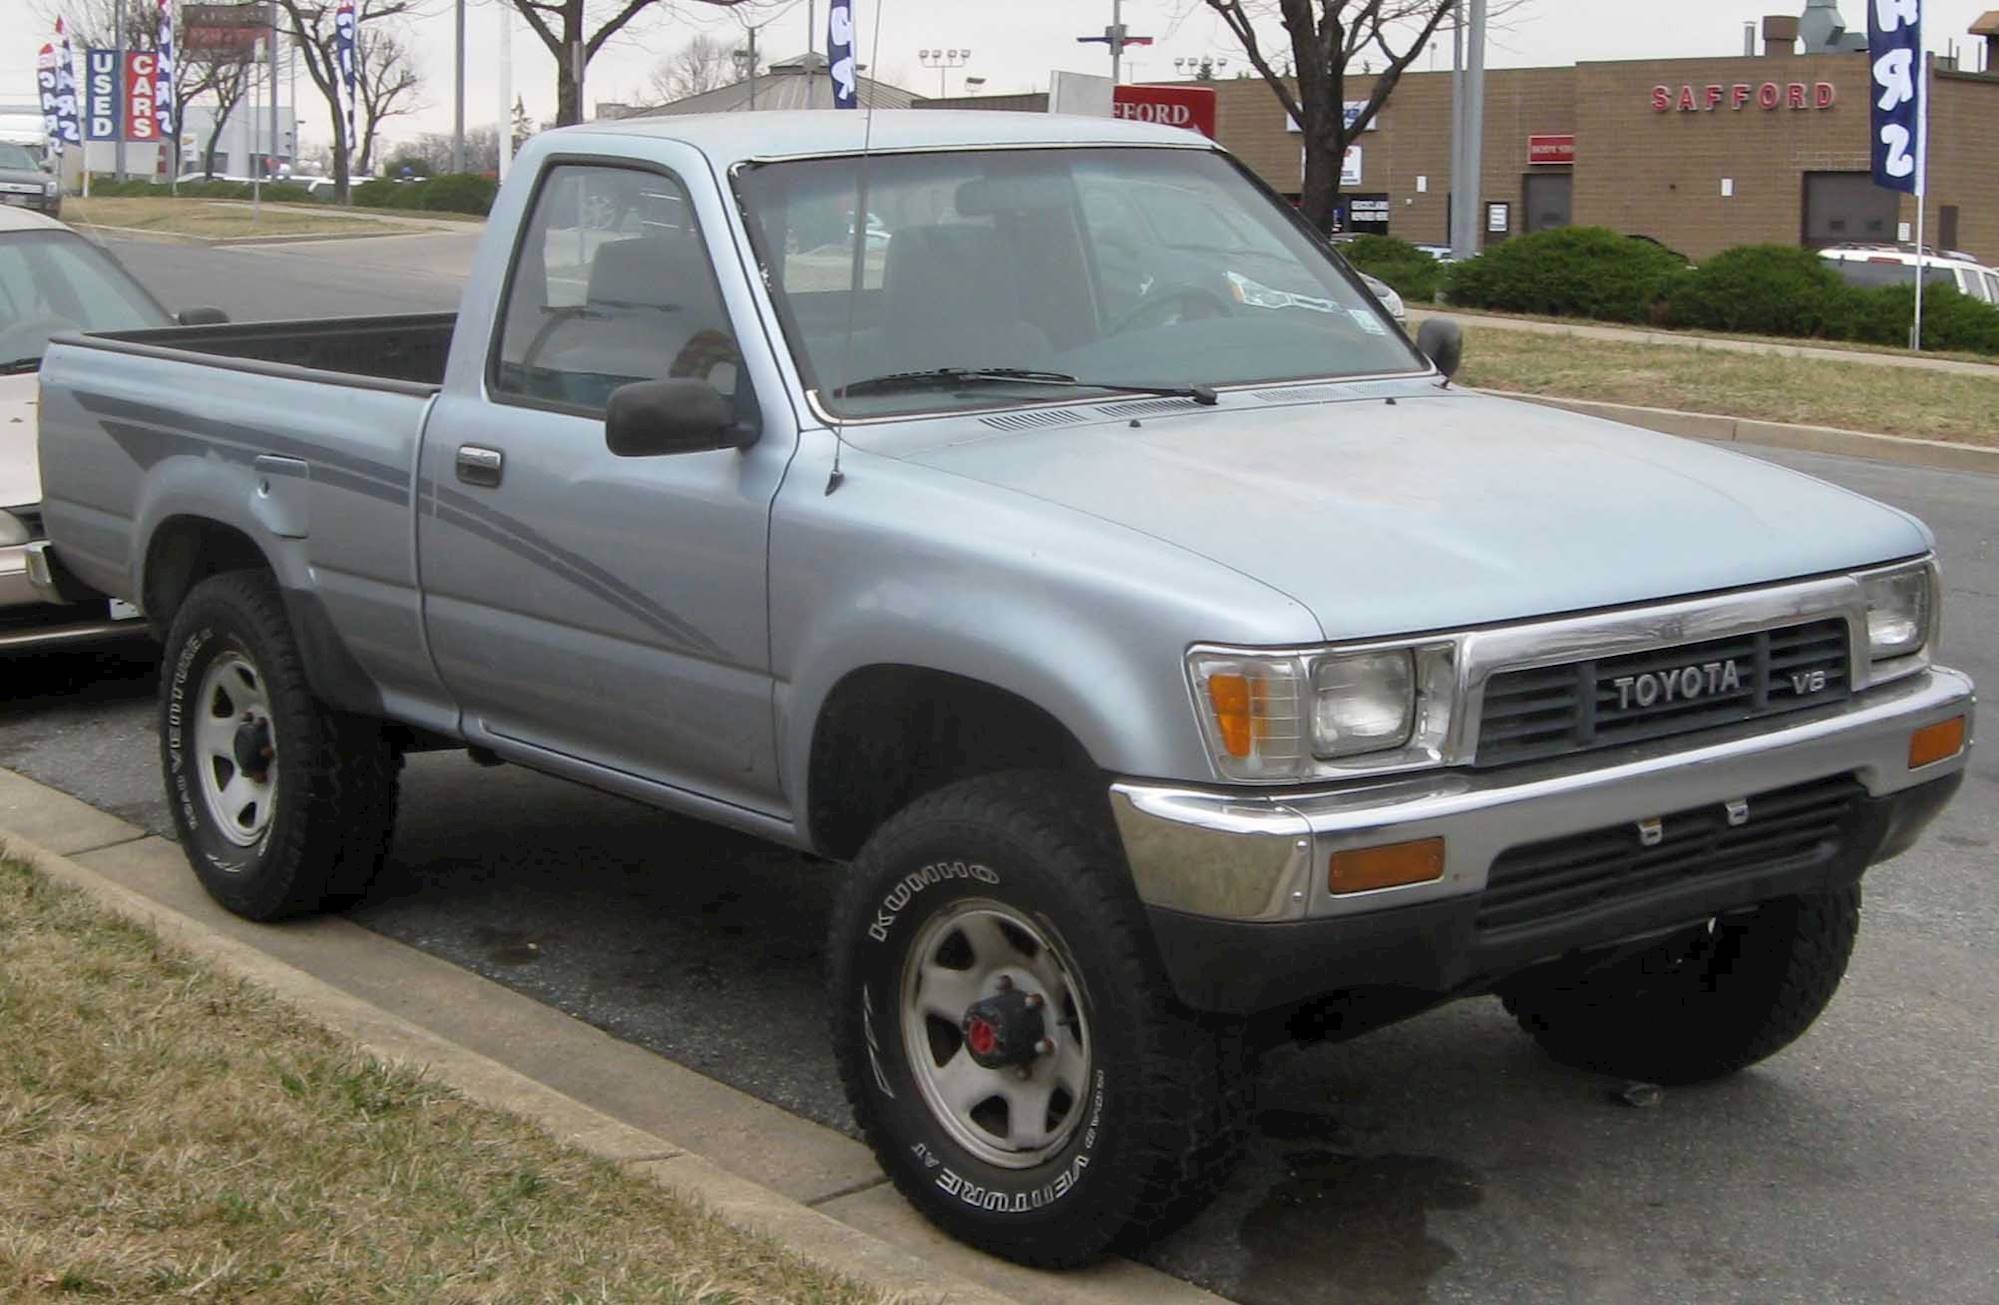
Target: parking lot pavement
{"x": 1442, "y": 1159}
{"x": 321, "y": 278}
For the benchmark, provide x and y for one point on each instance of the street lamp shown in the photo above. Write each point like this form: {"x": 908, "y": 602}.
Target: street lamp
{"x": 943, "y": 61}
{"x": 1203, "y": 67}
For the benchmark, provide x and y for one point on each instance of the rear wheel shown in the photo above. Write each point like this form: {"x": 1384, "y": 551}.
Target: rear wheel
{"x": 1700, "y": 1004}
{"x": 283, "y": 805}
{"x": 1006, "y": 1038}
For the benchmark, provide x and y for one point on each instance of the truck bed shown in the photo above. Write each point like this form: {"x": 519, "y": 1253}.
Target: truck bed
{"x": 405, "y": 350}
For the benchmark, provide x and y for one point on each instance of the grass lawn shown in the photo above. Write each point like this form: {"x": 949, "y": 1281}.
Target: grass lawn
{"x": 1771, "y": 387}
{"x": 1470, "y": 317}
{"x": 166, "y": 1130}
{"x": 217, "y": 218}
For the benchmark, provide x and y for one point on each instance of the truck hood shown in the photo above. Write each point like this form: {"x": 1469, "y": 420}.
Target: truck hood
{"x": 1438, "y": 510}
{"x": 20, "y": 463}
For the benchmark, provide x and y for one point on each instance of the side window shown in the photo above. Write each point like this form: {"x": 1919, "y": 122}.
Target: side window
{"x": 613, "y": 284}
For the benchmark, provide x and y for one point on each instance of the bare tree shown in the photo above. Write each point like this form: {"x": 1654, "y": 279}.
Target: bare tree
{"x": 1327, "y": 38}
{"x": 575, "y": 30}
{"x": 703, "y": 64}
{"x": 309, "y": 25}
{"x": 386, "y": 76}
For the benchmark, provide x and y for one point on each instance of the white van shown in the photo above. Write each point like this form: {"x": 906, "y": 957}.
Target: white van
{"x": 1878, "y": 265}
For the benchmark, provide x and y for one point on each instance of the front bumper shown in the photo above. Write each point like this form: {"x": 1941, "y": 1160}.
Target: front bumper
{"x": 1236, "y": 882}
{"x": 28, "y": 619}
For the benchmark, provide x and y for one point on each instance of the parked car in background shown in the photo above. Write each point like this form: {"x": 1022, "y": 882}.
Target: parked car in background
{"x": 1385, "y": 292}
{"x": 1881, "y": 265}
{"x": 51, "y": 281}
{"x": 23, "y": 183}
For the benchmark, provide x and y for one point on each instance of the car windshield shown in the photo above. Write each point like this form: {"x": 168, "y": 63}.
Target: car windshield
{"x": 16, "y": 158}
{"x": 1113, "y": 267}
{"x": 54, "y": 281}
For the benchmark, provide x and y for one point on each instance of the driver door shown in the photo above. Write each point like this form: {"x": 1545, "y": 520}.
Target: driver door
{"x": 592, "y": 611}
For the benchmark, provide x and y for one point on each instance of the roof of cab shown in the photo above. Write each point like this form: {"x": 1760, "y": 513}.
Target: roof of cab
{"x": 21, "y": 219}
{"x": 730, "y": 138}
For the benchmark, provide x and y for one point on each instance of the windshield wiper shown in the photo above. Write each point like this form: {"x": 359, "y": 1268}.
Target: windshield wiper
{"x": 944, "y": 377}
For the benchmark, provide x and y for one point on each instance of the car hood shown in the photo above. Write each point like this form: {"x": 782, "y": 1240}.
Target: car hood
{"x": 1443, "y": 509}
{"x": 20, "y": 464}
{"x": 17, "y": 175}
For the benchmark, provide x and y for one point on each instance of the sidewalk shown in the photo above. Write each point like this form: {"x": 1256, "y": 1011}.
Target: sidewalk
{"x": 1638, "y": 335}
{"x": 815, "y": 1190}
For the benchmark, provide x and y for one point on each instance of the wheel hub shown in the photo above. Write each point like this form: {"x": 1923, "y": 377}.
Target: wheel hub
{"x": 1005, "y": 1029}
{"x": 251, "y": 747}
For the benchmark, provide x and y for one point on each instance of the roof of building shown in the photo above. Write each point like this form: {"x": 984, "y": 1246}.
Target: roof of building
{"x": 735, "y": 137}
{"x": 795, "y": 83}
{"x": 1987, "y": 24}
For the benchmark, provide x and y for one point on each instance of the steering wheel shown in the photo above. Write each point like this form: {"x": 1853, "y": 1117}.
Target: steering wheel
{"x": 1173, "y": 304}
{"x": 30, "y": 338}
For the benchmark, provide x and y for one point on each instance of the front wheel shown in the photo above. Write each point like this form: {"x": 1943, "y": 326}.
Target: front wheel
{"x": 1006, "y": 1038}
{"x": 1702, "y": 1003}
{"x": 283, "y": 805}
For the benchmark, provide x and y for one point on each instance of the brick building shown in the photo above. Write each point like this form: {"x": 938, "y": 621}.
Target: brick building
{"x": 1699, "y": 154}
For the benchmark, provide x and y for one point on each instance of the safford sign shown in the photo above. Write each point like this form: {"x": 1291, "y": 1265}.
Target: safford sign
{"x": 1192, "y": 107}
{"x": 1768, "y": 96}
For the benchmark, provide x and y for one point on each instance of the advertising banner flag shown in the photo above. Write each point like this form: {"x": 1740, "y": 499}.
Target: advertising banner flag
{"x": 45, "y": 82}
{"x": 346, "y": 51}
{"x": 164, "y": 114}
{"x": 101, "y": 94}
{"x": 68, "y": 131}
{"x": 141, "y": 116}
{"x": 840, "y": 54}
{"x": 1901, "y": 93}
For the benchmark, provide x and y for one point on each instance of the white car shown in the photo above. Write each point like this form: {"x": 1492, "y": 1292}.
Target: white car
{"x": 52, "y": 281}
{"x": 1879, "y": 265}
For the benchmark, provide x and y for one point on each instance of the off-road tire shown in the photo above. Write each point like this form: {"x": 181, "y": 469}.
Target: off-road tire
{"x": 1671, "y": 1015}
{"x": 336, "y": 773}
{"x": 1170, "y": 1104}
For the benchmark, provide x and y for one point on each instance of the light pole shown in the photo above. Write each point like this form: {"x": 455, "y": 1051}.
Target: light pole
{"x": 943, "y": 61}
{"x": 458, "y": 95}
{"x": 1204, "y": 67}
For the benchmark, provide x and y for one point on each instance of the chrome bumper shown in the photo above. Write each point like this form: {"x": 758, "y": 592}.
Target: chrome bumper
{"x": 1255, "y": 856}
{"x": 25, "y": 586}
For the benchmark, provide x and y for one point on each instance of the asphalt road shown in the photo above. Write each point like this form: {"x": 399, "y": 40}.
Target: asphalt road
{"x": 1440, "y": 1160}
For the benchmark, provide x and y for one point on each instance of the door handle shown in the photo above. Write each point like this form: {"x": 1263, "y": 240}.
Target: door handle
{"x": 477, "y": 466}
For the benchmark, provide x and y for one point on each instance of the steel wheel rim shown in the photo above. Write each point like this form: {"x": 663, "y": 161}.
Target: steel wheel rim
{"x": 960, "y": 956}
{"x": 233, "y": 711}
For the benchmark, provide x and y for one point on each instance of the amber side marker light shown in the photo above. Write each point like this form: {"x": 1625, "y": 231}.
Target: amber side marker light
{"x": 1938, "y": 742}
{"x": 1364, "y": 868}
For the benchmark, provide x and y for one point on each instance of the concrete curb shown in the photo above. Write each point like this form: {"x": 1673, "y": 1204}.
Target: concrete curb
{"x": 1772, "y": 434}
{"x": 813, "y": 1190}
{"x": 96, "y": 229}
{"x": 818, "y": 1238}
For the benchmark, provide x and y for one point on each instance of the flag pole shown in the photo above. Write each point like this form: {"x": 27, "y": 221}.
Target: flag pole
{"x": 1922, "y": 199}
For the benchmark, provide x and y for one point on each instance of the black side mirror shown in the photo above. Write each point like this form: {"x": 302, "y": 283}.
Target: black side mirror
{"x": 201, "y": 317}
{"x": 1442, "y": 341}
{"x": 648, "y": 418}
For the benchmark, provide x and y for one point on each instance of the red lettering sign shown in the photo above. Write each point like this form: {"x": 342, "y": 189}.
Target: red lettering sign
{"x": 1770, "y": 96}
{"x": 1191, "y": 107}
{"x": 139, "y": 121}
{"x": 1555, "y": 151}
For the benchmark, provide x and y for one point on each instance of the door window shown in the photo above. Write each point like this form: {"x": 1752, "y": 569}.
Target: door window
{"x": 612, "y": 285}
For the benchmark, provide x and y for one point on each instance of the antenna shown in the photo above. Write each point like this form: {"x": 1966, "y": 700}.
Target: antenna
{"x": 860, "y": 258}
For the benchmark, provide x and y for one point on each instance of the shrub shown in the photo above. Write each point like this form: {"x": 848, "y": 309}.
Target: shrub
{"x": 1764, "y": 290}
{"x": 458, "y": 192}
{"x": 1952, "y": 322}
{"x": 383, "y": 193}
{"x": 1415, "y": 275}
{"x": 1570, "y": 272}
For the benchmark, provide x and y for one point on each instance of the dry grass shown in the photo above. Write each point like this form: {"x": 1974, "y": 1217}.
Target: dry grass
{"x": 1471, "y": 317}
{"x": 217, "y": 219}
{"x": 1769, "y": 387}
{"x": 168, "y": 1131}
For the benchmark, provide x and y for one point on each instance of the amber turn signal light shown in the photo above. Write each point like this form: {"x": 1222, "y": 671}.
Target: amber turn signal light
{"x": 1938, "y": 742}
{"x": 1360, "y": 869}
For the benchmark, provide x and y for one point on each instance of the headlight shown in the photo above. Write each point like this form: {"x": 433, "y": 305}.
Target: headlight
{"x": 1900, "y": 608}
{"x": 51, "y": 186}
{"x": 1315, "y": 713}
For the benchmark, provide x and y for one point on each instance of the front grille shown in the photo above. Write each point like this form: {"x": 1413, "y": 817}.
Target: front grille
{"x": 1552, "y": 710}
{"x": 1542, "y": 882}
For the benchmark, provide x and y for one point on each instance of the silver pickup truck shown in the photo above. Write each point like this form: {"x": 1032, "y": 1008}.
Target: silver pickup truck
{"x": 1177, "y": 658}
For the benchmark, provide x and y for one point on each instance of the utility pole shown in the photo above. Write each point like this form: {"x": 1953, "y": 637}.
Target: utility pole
{"x": 506, "y": 15}
{"x": 274, "y": 78}
{"x": 458, "y": 98}
{"x": 1468, "y": 129}
{"x": 753, "y": 69}
{"x": 1117, "y": 40}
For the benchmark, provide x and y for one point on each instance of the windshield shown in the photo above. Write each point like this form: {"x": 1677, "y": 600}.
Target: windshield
{"x": 14, "y": 157}
{"x": 53, "y": 281}
{"x": 1118, "y": 267}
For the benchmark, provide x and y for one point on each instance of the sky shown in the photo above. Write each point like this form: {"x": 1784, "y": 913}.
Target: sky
{"x": 1014, "y": 44}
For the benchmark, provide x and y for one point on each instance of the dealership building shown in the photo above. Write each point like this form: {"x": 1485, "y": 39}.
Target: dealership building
{"x": 1699, "y": 154}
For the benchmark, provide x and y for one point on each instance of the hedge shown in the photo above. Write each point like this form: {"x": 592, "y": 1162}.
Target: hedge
{"x": 1571, "y": 272}
{"x": 1415, "y": 275}
{"x": 1764, "y": 290}
{"x": 458, "y": 192}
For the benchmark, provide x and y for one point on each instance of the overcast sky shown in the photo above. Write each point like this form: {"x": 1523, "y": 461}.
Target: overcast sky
{"x": 1014, "y": 44}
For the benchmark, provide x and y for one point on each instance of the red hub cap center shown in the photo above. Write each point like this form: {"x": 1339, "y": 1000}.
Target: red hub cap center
{"x": 982, "y": 1037}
